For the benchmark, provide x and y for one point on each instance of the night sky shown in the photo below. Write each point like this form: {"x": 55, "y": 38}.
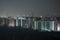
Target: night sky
{"x": 29, "y": 8}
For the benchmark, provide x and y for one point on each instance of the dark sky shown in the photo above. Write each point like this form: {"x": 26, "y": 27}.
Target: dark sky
{"x": 29, "y": 7}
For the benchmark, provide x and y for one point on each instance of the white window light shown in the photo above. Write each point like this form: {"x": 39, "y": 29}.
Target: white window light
{"x": 21, "y": 18}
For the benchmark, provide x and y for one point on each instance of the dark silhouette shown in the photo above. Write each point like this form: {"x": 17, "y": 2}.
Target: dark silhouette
{"x": 17, "y": 33}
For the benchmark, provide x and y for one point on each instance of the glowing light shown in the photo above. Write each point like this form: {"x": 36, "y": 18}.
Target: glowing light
{"x": 41, "y": 16}
{"x": 58, "y": 27}
{"x": 11, "y": 24}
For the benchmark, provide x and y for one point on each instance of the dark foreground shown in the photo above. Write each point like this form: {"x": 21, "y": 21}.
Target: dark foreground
{"x": 13, "y": 34}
